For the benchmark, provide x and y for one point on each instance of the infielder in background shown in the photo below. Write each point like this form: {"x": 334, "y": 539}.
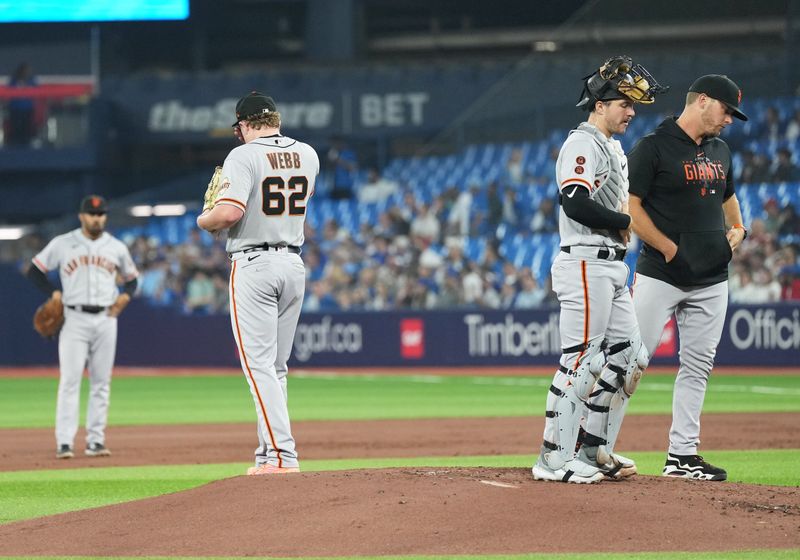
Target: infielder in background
{"x": 88, "y": 260}
{"x": 685, "y": 210}
{"x": 590, "y": 277}
{"x": 265, "y": 186}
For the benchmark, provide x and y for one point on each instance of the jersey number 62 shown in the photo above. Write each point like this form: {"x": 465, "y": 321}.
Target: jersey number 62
{"x": 274, "y": 195}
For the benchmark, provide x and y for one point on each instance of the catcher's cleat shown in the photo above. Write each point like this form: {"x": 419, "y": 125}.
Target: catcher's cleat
{"x": 97, "y": 450}
{"x": 574, "y": 471}
{"x": 64, "y": 451}
{"x": 692, "y": 466}
{"x": 267, "y": 468}
{"x": 612, "y": 465}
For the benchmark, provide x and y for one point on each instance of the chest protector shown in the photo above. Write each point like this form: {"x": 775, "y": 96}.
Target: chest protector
{"x": 614, "y": 188}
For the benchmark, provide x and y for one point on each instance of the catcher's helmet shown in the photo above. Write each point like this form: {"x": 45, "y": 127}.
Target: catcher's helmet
{"x": 619, "y": 78}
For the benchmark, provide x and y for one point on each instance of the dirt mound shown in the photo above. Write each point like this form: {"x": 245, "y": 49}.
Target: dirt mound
{"x": 421, "y": 511}
{"x": 224, "y": 443}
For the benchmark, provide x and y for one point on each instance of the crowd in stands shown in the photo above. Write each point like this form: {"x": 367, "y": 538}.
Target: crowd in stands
{"x": 417, "y": 252}
{"x": 766, "y": 267}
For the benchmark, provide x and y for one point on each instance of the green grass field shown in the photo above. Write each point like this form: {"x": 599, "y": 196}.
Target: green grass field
{"x": 29, "y": 403}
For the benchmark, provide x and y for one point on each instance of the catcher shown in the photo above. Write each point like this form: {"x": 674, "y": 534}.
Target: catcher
{"x": 601, "y": 347}
{"x": 88, "y": 261}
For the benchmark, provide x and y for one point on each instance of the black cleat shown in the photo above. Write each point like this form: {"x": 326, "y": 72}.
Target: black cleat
{"x": 64, "y": 451}
{"x": 97, "y": 450}
{"x": 692, "y": 466}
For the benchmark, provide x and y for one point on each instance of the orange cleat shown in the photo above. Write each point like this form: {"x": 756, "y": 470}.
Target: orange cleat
{"x": 267, "y": 468}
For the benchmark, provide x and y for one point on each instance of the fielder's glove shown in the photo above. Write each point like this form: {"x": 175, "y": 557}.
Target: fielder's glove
{"x": 214, "y": 185}
{"x": 49, "y": 318}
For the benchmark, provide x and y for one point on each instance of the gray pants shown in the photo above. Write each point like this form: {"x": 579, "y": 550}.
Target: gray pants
{"x": 700, "y": 313}
{"x": 86, "y": 341}
{"x": 266, "y": 297}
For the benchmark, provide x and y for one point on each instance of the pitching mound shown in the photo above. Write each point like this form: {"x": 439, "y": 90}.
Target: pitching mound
{"x": 421, "y": 511}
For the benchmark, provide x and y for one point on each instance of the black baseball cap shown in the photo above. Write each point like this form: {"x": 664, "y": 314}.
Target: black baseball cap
{"x": 93, "y": 204}
{"x": 254, "y": 103}
{"x": 721, "y": 88}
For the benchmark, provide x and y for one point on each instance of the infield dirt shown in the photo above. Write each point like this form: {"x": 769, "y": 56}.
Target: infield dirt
{"x": 421, "y": 511}
{"x": 413, "y": 510}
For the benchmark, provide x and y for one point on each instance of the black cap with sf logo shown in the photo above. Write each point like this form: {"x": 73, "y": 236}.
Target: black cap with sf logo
{"x": 93, "y": 204}
{"x": 721, "y": 88}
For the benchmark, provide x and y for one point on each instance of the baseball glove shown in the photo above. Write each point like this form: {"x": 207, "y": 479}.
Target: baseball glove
{"x": 49, "y": 318}
{"x": 214, "y": 185}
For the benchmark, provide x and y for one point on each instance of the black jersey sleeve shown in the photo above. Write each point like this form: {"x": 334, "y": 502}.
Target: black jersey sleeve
{"x": 40, "y": 280}
{"x": 642, "y": 165}
{"x": 130, "y": 286}
{"x": 579, "y": 207}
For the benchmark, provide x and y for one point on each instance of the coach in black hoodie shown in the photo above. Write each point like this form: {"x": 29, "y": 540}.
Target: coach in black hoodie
{"x": 685, "y": 210}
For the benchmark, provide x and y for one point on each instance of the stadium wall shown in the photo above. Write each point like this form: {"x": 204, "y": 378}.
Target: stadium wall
{"x": 754, "y": 335}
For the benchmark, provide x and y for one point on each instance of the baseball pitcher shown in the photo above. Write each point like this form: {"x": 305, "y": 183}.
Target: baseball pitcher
{"x": 88, "y": 261}
{"x": 597, "y": 321}
{"x": 260, "y": 196}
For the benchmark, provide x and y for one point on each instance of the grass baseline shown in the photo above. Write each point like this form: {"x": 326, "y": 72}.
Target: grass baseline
{"x": 29, "y": 402}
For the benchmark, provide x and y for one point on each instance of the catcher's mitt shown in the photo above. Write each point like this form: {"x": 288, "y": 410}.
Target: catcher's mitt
{"x": 214, "y": 185}
{"x": 49, "y": 318}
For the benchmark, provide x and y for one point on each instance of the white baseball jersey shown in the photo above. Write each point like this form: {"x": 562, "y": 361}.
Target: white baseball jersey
{"x": 87, "y": 268}
{"x": 582, "y": 161}
{"x": 271, "y": 179}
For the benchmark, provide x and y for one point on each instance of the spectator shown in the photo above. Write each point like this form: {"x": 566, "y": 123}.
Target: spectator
{"x": 515, "y": 172}
{"x": 789, "y": 279}
{"x": 789, "y": 221}
{"x": 756, "y": 287}
{"x": 153, "y": 285}
{"x": 793, "y": 128}
{"x": 783, "y": 168}
{"x": 455, "y": 259}
{"x": 772, "y": 219}
{"x": 221, "y": 303}
{"x": 511, "y": 211}
{"x": 344, "y": 165}
{"x": 318, "y": 298}
{"x": 199, "y": 293}
{"x": 494, "y": 201}
{"x": 450, "y": 295}
{"x": 460, "y": 214}
{"x": 425, "y": 227}
{"x": 472, "y": 284}
{"x": 530, "y": 294}
{"x": 754, "y": 168}
{"x": 770, "y": 127}
{"x": 21, "y": 125}
{"x": 545, "y": 220}
{"x": 508, "y": 295}
{"x": 377, "y": 188}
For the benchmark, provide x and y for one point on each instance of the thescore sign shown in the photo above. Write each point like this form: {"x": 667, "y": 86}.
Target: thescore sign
{"x": 390, "y": 110}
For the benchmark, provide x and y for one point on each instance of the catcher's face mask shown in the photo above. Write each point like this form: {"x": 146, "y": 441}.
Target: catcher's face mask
{"x": 619, "y": 78}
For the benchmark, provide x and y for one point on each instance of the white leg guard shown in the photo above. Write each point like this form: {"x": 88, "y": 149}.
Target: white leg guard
{"x": 566, "y": 399}
{"x": 607, "y": 406}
